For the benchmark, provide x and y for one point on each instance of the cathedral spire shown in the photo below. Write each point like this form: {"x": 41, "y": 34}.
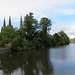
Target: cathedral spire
{"x": 4, "y": 25}
{"x": 21, "y": 23}
{"x": 9, "y": 21}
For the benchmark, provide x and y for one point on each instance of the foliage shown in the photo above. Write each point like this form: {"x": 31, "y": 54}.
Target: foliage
{"x": 38, "y": 40}
{"x": 8, "y": 34}
{"x": 44, "y": 27}
{"x": 1, "y": 42}
{"x": 61, "y": 38}
{"x": 19, "y": 44}
{"x": 64, "y": 37}
{"x": 22, "y": 44}
{"x": 53, "y": 41}
{"x": 57, "y": 38}
{"x": 45, "y": 23}
{"x": 32, "y": 35}
{"x": 30, "y": 26}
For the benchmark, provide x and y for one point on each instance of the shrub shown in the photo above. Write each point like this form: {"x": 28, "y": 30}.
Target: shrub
{"x": 19, "y": 44}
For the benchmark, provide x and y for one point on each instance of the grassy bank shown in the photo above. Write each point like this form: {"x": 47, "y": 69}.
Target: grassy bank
{"x": 4, "y": 48}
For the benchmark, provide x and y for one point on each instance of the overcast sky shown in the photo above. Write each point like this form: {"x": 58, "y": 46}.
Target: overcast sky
{"x": 61, "y": 12}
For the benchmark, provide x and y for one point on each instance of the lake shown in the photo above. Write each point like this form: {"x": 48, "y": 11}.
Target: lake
{"x": 53, "y": 61}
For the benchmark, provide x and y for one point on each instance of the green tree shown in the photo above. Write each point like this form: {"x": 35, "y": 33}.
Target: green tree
{"x": 37, "y": 40}
{"x": 45, "y": 24}
{"x": 53, "y": 41}
{"x": 64, "y": 37}
{"x": 30, "y": 26}
{"x": 19, "y": 43}
{"x": 57, "y": 38}
{"x": 8, "y": 34}
{"x": 1, "y": 42}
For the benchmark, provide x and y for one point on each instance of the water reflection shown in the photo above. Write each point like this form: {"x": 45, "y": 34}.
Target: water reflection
{"x": 26, "y": 63}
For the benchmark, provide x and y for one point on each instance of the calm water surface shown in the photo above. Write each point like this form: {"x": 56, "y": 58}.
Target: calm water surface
{"x": 54, "y": 61}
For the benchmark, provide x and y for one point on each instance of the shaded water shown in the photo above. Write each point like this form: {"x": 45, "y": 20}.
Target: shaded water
{"x": 53, "y": 61}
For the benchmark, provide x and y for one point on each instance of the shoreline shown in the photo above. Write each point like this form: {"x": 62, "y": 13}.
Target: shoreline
{"x": 5, "y": 50}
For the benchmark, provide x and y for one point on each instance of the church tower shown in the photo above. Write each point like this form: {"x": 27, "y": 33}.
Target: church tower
{"x": 21, "y": 23}
{"x": 9, "y": 21}
{"x": 4, "y": 25}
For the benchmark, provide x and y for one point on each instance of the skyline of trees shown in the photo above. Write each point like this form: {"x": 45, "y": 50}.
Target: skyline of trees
{"x": 32, "y": 34}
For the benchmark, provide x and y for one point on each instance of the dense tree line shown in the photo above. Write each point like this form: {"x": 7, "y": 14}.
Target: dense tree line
{"x": 33, "y": 34}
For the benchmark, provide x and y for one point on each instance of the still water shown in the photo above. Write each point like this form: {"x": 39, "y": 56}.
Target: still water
{"x": 54, "y": 61}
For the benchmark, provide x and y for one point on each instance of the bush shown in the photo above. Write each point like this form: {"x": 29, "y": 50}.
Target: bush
{"x": 1, "y": 43}
{"x": 19, "y": 44}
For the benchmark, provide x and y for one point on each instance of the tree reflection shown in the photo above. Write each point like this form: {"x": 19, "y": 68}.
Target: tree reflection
{"x": 30, "y": 63}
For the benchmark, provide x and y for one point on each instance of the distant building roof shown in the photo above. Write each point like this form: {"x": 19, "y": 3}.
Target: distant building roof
{"x": 72, "y": 40}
